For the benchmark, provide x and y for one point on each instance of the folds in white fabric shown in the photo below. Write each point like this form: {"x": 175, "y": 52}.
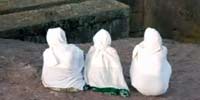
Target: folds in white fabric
{"x": 150, "y": 70}
{"x": 102, "y": 66}
{"x": 62, "y": 63}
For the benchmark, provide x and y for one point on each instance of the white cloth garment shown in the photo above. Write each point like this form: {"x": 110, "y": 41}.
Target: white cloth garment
{"x": 62, "y": 62}
{"x": 102, "y": 67}
{"x": 150, "y": 71}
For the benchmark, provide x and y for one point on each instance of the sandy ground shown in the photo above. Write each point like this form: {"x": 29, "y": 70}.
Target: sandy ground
{"x": 21, "y": 63}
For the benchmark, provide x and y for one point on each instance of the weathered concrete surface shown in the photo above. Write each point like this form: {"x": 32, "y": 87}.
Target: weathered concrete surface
{"x": 80, "y": 21}
{"x": 21, "y": 64}
{"x": 10, "y": 6}
{"x": 136, "y": 16}
{"x": 176, "y": 19}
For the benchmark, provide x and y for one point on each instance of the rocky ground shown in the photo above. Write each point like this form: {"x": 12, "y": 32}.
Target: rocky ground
{"x": 21, "y": 63}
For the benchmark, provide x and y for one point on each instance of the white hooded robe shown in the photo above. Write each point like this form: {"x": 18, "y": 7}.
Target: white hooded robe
{"x": 102, "y": 67}
{"x": 150, "y": 70}
{"x": 62, "y": 63}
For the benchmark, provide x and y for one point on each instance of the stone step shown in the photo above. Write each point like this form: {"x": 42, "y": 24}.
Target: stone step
{"x": 80, "y": 21}
{"x": 10, "y": 6}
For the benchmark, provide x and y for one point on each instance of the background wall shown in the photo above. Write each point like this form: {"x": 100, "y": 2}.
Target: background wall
{"x": 29, "y": 20}
{"x": 136, "y": 16}
{"x": 175, "y": 19}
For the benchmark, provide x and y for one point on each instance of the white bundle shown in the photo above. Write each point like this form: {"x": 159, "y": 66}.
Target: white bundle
{"x": 102, "y": 67}
{"x": 63, "y": 63}
{"x": 150, "y": 71}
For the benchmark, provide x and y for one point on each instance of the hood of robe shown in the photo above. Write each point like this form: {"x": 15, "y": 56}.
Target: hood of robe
{"x": 102, "y": 39}
{"x": 152, "y": 40}
{"x": 56, "y": 37}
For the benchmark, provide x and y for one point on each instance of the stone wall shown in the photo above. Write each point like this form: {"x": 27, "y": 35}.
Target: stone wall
{"x": 11, "y": 6}
{"x": 175, "y": 19}
{"x": 80, "y": 20}
{"x": 136, "y": 16}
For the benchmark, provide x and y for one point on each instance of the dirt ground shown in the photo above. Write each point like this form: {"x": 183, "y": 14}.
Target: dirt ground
{"x": 21, "y": 63}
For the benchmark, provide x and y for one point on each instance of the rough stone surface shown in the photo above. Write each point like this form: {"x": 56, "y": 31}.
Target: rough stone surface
{"x": 136, "y": 16}
{"x": 10, "y": 6}
{"x": 21, "y": 64}
{"x": 80, "y": 21}
{"x": 176, "y": 19}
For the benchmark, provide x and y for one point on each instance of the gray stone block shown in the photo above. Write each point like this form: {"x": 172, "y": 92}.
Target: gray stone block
{"x": 10, "y": 6}
{"x": 80, "y": 21}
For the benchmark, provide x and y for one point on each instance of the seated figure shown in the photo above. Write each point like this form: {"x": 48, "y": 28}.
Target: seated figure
{"x": 62, "y": 63}
{"x": 150, "y": 70}
{"x": 103, "y": 70}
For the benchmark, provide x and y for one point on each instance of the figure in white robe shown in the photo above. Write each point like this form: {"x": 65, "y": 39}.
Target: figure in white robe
{"x": 150, "y": 70}
{"x": 62, "y": 63}
{"x": 103, "y": 70}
